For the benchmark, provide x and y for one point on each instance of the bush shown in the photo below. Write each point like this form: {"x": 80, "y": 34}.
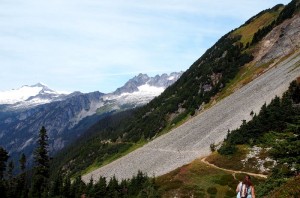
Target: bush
{"x": 227, "y": 149}
{"x": 212, "y": 190}
{"x": 212, "y": 147}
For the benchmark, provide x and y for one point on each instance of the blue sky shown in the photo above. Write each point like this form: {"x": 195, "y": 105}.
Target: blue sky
{"x": 97, "y": 45}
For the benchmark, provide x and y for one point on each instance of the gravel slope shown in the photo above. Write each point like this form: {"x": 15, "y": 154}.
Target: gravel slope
{"x": 192, "y": 139}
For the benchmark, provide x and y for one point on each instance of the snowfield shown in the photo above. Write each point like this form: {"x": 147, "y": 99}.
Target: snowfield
{"x": 192, "y": 139}
{"x": 18, "y": 95}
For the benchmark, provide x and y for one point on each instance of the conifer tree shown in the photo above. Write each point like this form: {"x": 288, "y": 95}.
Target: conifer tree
{"x": 100, "y": 187}
{"x": 41, "y": 169}
{"x": 11, "y": 192}
{"x": 10, "y": 170}
{"x": 113, "y": 187}
{"x": 56, "y": 186}
{"x": 22, "y": 162}
{"x": 21, "y": 188}
{"x": 3, "y": 159}
{"x": 67, "y": 187}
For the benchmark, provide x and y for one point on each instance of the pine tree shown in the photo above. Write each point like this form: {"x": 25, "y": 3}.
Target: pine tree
{"x": 78, "y": 187}
{"x": 22, "y": 162}
{"x": 113, "y": 187}
{"x": 67, "y": 187}
{"x": 22, "y": 190}
{"x": 90, "y": 188}
{"x": 3, "y": 159}
{"x": 41, "y": 169}
{"x": 100, "y": 188}
{"x": 10, "y": 170}
{"x": 56, "y": 185}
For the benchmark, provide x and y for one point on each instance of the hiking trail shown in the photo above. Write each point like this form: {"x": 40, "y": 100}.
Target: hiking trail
{"x": 233, "y": 171}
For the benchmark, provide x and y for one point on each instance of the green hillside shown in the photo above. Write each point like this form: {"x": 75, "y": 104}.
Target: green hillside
{"x": 216, "y": 74}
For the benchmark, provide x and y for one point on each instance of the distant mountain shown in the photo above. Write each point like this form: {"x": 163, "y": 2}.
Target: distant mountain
{"x": 28, "y": 96}
{"x": 135, "y": 84}
{"x": 138, "y": 91}
{"x": 67, "y": 116}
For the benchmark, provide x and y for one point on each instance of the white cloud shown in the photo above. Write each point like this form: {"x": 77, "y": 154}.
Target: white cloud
{"x": 97, "y": 45}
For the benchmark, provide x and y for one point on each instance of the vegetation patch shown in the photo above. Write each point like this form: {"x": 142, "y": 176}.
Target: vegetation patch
{"x": 276, "y": 132}
{"x": 247, "y": 31}
{"x": 197, "y": 179}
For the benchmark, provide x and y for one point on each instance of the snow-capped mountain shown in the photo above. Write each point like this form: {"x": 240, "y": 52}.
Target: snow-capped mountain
{"x": 139, "y": 91}
{"x": 159, "y": 81}
{"x": 28, "y": 96}
{"x": 67, "y": 116}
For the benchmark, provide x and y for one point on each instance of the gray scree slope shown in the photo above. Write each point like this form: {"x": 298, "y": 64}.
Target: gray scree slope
{"x": 192, "y": 139}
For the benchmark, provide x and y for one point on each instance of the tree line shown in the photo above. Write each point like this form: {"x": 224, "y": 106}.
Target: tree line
{"x": 37, "y": 183}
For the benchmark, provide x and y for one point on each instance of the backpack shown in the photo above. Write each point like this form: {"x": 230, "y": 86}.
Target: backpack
{"x": 244, "y": 191}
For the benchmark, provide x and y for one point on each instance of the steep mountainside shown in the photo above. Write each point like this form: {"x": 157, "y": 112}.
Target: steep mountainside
{"x": 214, "y": 72}
{"x": 67, "y": 116}
{"x": 192, "y": 139}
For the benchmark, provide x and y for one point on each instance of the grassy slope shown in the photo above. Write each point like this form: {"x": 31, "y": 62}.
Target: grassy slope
{"x": 290, "y": 189}
{"x": 249, "y": 166}
{"x": 110, "y": 159}
{"x": 250, "y": 71}
{"x": 249, "y": 30}
{"x": 199, "y": 180}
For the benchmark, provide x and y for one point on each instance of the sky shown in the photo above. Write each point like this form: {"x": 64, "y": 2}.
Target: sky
{"x": 98, "y": 45}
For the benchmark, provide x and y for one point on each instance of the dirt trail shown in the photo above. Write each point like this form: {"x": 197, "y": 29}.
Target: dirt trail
{"x": 233, "y": 171}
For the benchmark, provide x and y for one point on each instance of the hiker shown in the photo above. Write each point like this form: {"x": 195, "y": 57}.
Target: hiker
{"x": 245, "y": 189}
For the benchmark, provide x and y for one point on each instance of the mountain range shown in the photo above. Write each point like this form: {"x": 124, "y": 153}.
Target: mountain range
{"x": 67, "y": 115}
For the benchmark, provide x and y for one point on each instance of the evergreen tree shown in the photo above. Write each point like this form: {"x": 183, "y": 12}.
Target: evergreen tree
{"x": 41, "y": 169}
{"x": 56, "y": 186}
{"x": 11, "y": 193}
{"x": 3, "y": 185}
{"x": 3, "y": 159}
{"x": 10, "y": 170}
{"x": 22, "y": 162}
{"x": 21, "y": 180}
{"x": 67, "y": 188}
{"x": 78, "y": 187}
{"x": 90, "y": 188}
{"x": 100, "y": 188}
{"x": 113, "y": 188}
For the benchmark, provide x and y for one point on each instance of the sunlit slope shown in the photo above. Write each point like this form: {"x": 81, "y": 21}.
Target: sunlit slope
{"x": 230, "y": 92}
{"x": 192, "y": 139}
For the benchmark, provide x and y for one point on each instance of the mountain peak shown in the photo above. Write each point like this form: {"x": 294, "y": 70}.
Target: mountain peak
{"x": 39, "y": 84}
{"x": 35, "y": 94}
{"x": 160, "y": 81}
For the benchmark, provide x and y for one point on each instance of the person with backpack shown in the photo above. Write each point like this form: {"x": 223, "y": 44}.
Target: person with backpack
{"x": 245, "y": 189}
